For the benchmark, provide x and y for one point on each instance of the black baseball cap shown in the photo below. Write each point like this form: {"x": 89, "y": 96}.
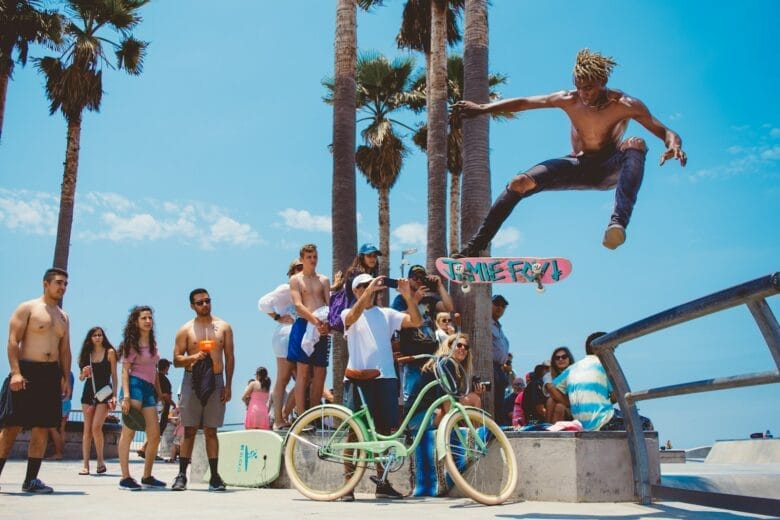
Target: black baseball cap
{"x": 500, "y": 300}
{"x": 417, "y": 270}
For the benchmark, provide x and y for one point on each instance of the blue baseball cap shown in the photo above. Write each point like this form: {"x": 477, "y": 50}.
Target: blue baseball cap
{"x": 367, "y": 249}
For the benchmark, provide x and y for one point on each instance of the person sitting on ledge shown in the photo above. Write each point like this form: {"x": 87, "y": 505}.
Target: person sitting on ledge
{"x": 585, "y": 388}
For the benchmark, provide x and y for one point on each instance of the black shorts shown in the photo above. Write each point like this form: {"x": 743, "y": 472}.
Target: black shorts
{"x": 39, "y": 404}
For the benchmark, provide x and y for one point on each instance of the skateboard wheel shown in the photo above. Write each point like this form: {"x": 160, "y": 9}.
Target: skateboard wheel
{"x": 540, "y": 289}
{"x": 465, "y": 288}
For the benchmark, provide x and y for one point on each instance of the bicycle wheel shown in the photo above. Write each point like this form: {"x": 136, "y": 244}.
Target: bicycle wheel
{"x": 487, "y": 475}
{"x": 317, "y": 468}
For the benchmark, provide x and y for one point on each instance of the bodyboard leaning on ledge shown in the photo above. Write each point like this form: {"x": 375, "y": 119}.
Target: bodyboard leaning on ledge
{"x": 249, "y": 458}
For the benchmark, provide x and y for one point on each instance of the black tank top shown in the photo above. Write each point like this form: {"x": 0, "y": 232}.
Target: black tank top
{"x": 101, "y": 371}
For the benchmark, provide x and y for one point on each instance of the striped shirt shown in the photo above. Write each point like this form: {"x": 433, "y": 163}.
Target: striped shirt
{"x": 587, "y": 386}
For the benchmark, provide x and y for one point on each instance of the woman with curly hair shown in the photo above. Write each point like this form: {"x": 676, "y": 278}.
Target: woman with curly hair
{"x": 97, "y": 362}
{"x": 140, "y": 390}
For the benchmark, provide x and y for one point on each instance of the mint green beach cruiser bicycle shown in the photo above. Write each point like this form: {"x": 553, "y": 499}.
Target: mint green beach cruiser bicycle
{"x": 328, "y": 447}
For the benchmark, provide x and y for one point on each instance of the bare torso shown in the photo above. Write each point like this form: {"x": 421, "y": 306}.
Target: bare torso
{"x": 313, "y": 289}
{"x": 44, "y": 328}
{"x": 595, "y": 128}
{"x": 211, "y": 328}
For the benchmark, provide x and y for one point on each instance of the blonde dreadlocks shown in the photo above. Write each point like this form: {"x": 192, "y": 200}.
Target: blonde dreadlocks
{"x": 592, "y": 66}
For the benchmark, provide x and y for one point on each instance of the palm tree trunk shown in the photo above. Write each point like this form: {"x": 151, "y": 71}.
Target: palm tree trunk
{"x": 343, "y": 204}
{"x": 3, "y": 93}
{"x": 384, "y": 240}
{"x": 68, "y": 193}
{"x": 437, "y": 135}
{"x": 454, "y": 212}
{"x": 475, "y": 197}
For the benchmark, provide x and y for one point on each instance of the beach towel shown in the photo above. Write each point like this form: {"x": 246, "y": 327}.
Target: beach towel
{"x": 203, "y": 382}
{"x": 312, "y": 335}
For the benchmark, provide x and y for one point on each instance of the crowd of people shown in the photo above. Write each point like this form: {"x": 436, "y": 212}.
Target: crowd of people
{"x": 382, "y": 343}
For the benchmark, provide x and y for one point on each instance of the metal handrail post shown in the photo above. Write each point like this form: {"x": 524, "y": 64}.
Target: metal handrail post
{"x": 767, "y": 324}
{"x": 636, "y": 438}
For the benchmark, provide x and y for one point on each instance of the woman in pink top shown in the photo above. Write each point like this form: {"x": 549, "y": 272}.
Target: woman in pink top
{"x": 256, "y": 398}
{"x": 140, "y": 390}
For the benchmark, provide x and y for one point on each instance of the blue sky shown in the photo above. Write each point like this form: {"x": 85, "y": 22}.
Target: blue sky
{"x": 212, "y": 169}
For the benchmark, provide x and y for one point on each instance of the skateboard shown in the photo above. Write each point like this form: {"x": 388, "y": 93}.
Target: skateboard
{"x": 487, "y": 269}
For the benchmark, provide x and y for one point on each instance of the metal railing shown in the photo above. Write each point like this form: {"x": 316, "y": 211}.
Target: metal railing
{"x": 752, "y": 294}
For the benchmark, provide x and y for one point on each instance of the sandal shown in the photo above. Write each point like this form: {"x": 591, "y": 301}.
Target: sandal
{"x": 84, "y": 471}
{"x": 101, "y": 469}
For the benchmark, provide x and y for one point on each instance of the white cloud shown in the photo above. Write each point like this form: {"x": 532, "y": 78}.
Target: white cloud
{"x": 112, "y": 217}
{"x": 771, "y": 154}
{"x": 675, "y": 117}
{"x": 412, "y": 233}
{"x": 225, "y": 229}
{"x": 29, "y": 212}
{"x": 754, "y": 159}
{"x": 507, "y": 236}
{"x": 302, "y": 219}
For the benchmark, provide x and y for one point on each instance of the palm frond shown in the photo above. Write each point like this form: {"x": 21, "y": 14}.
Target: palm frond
{"x": 130, "y": 55}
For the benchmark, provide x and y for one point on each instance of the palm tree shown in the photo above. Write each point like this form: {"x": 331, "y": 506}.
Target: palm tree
{"x": 476, "y": 195}
{"x": 454, "y": 133}
{"x": 23, "y": 22}
{"x": 382, "y": 88}
{"x": 343, "y": 205}
{"x": 74, "y": 82}
{"x": 428, "y": 25}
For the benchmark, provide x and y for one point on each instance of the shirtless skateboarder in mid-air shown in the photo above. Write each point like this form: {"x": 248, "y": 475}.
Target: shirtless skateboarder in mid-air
{"x": 600, "y": 158}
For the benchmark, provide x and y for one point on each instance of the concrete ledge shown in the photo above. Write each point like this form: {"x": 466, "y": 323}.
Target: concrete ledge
{"x": 579, "y": 466}
{"x": 555, "y": 467}
{"x": 73, "y": 437}
{"x": 671, "y": 456}
{"x": 745, "y": 451}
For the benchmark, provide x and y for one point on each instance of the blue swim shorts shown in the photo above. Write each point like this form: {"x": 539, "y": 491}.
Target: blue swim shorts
{"x": 318, "y": 358}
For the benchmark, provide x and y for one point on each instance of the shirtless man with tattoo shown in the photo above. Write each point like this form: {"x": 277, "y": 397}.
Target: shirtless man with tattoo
{"x": 600, "y": 158}
{"x": 204, "y": 337}
{"x": 310, "y": 293}
{"x": 39, "y": 357}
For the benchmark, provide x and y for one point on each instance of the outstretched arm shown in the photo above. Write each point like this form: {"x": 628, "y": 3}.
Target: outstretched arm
{"x": 669, "y": 137}
{"x": 471, "y": 109}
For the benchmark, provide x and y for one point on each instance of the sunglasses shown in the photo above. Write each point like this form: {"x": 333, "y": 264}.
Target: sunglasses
{"x": 445, "y": 320}
{"x": 461, "y": 345}
{"x": 561, "y": 356}
{"x": 204, "y": 301}
{"x": 299, "y": 267}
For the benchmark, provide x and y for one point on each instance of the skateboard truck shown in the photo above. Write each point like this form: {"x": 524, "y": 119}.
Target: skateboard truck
{"x": 536, "y": 270}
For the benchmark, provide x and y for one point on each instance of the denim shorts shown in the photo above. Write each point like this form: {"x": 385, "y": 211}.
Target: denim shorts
{"x": 142, "y": 391}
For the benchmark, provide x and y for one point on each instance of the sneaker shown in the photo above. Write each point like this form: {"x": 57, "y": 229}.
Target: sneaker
{"x": 37, "y": 486}
{"x": 180, "y": 482}
{"x": 152, "y": 483}
{"x": 217, "y": 485}
{"x": 614, "y": 236}
{"x": 129, "y": 484}
{"x": 349, "y": 497}
{"x": 385, "y": 490}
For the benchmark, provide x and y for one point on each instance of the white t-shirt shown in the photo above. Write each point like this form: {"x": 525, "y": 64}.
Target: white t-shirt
{"x": 368, "y": 339}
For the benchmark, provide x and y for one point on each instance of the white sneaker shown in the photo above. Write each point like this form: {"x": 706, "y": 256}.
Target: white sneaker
{"x": 614, "y": 236}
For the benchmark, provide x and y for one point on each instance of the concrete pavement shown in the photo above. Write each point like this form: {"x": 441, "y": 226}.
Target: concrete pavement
{"x": 97, "y": 497}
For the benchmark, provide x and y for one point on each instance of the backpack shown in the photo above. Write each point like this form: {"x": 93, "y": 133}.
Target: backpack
{"x": 339, "y": 300}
